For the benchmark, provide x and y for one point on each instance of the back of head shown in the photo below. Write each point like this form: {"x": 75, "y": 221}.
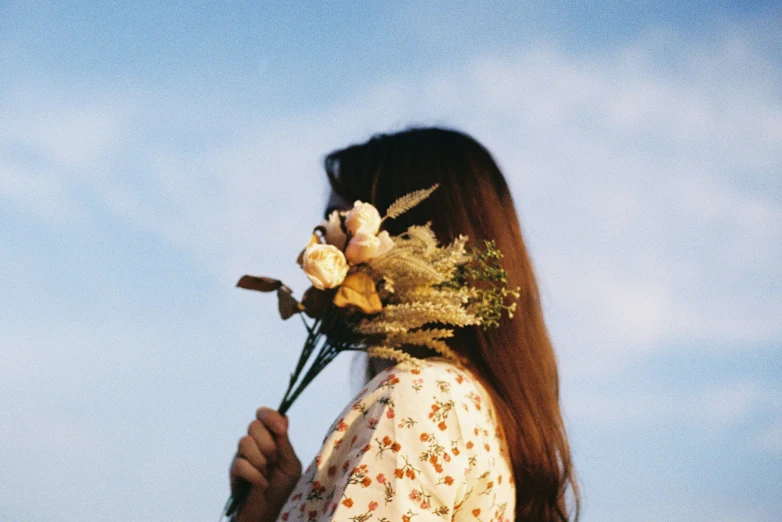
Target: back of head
{"x": 516, "y": 361}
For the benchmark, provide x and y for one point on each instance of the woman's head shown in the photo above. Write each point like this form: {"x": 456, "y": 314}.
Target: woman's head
{"x": 516, "y": 361}
{"x": 391, "y": 165}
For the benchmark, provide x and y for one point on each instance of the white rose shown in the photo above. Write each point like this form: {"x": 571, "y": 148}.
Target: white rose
{"x": 363, "y": 246}
{"x": 362, "y": 217}
{"x": 325, "y": 266}
{"x": 334, "y": 233}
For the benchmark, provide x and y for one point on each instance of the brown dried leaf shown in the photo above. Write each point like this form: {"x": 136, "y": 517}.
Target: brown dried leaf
{"x": 358, "y": 290}
{"x": 261, "y": 284}
{"x": 287, "y": 304}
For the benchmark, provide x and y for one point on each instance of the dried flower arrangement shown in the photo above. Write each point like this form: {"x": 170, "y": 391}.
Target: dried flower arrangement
{"x": 378, "y": 293}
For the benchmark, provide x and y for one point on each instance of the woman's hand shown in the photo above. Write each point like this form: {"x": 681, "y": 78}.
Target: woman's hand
{"x": 267, "y": 461}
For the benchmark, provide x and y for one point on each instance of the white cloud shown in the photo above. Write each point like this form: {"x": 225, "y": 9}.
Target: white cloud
{"x": 770, "y": 440}
{"x": 750, "y": 408}
{"x": 623, "y": 410}
{"x": 37, "y": 192}
{"x": 76, "y": 138}
{"x": 733, "y": 404}
{"x": 73, "y": 131}
{"x": 50, "y": 144}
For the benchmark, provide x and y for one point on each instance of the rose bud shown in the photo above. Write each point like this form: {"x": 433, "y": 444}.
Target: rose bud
{"x": 334, "y": 233}
{"x": 363, "y": 246}
{"x": 363, "y": 217}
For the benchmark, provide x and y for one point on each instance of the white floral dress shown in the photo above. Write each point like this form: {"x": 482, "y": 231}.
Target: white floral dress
{"x": 417, "y": 444}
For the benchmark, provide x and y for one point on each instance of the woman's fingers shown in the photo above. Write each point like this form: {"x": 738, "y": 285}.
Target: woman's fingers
{"x": 248, "y": 448}
{"x": 242, "y": 469}
{"x": 276, "y": 422}
{"x": 266, "y": 460}
{"x": 288, "y": 462}
{"x": 263, "y": 440}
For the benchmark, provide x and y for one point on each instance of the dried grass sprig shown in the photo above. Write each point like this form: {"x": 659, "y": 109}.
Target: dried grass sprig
{"x": 393, "y": 354}
{"x": 408, "y": 201}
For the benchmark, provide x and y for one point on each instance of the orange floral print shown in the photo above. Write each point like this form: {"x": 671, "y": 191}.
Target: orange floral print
{"x": 400, "y": 450}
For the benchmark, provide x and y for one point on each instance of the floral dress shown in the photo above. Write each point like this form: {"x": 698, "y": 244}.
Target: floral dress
{"x": 417, "y": 444}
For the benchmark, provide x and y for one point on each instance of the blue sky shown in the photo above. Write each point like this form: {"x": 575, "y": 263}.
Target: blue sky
{"x": 151, "y": 153}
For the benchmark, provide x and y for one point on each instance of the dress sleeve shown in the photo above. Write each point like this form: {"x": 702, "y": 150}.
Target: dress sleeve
{"x": 398, "y": 454}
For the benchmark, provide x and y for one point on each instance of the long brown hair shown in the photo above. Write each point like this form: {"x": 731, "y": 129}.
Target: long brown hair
{"x": 516, "y": 361}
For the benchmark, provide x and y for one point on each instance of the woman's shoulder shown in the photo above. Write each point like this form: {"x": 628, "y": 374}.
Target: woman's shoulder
{"x": 440, "y": 376}
{"x": 433, "y": 396}
{"x": 431, "y": 389}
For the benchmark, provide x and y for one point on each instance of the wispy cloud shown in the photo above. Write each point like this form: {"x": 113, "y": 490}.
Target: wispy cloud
{"x": 35, "y": 192}
{"x": 746, "y": 412}
{"x": 72, "y": 129}
{"x": 770, "y": 439}
{"x": 52, "y": 143}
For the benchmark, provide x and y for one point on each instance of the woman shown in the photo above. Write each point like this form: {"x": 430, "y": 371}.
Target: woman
{"x": 393, "y": 455}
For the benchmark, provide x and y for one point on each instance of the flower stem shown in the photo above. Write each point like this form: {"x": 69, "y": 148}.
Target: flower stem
{"x": 320, "y": 333}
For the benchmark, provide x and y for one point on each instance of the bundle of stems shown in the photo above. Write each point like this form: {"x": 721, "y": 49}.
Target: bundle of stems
{"x": 327, "y": 337}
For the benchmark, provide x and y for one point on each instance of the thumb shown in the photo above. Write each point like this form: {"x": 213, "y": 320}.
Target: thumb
{"x": 288, "y": 461}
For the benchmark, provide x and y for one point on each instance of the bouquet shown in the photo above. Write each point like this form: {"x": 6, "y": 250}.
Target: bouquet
{"x": 378, "y": 293}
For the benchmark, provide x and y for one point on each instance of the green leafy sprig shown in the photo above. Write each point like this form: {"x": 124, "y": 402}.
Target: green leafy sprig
{"x": 486, "y": 274}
